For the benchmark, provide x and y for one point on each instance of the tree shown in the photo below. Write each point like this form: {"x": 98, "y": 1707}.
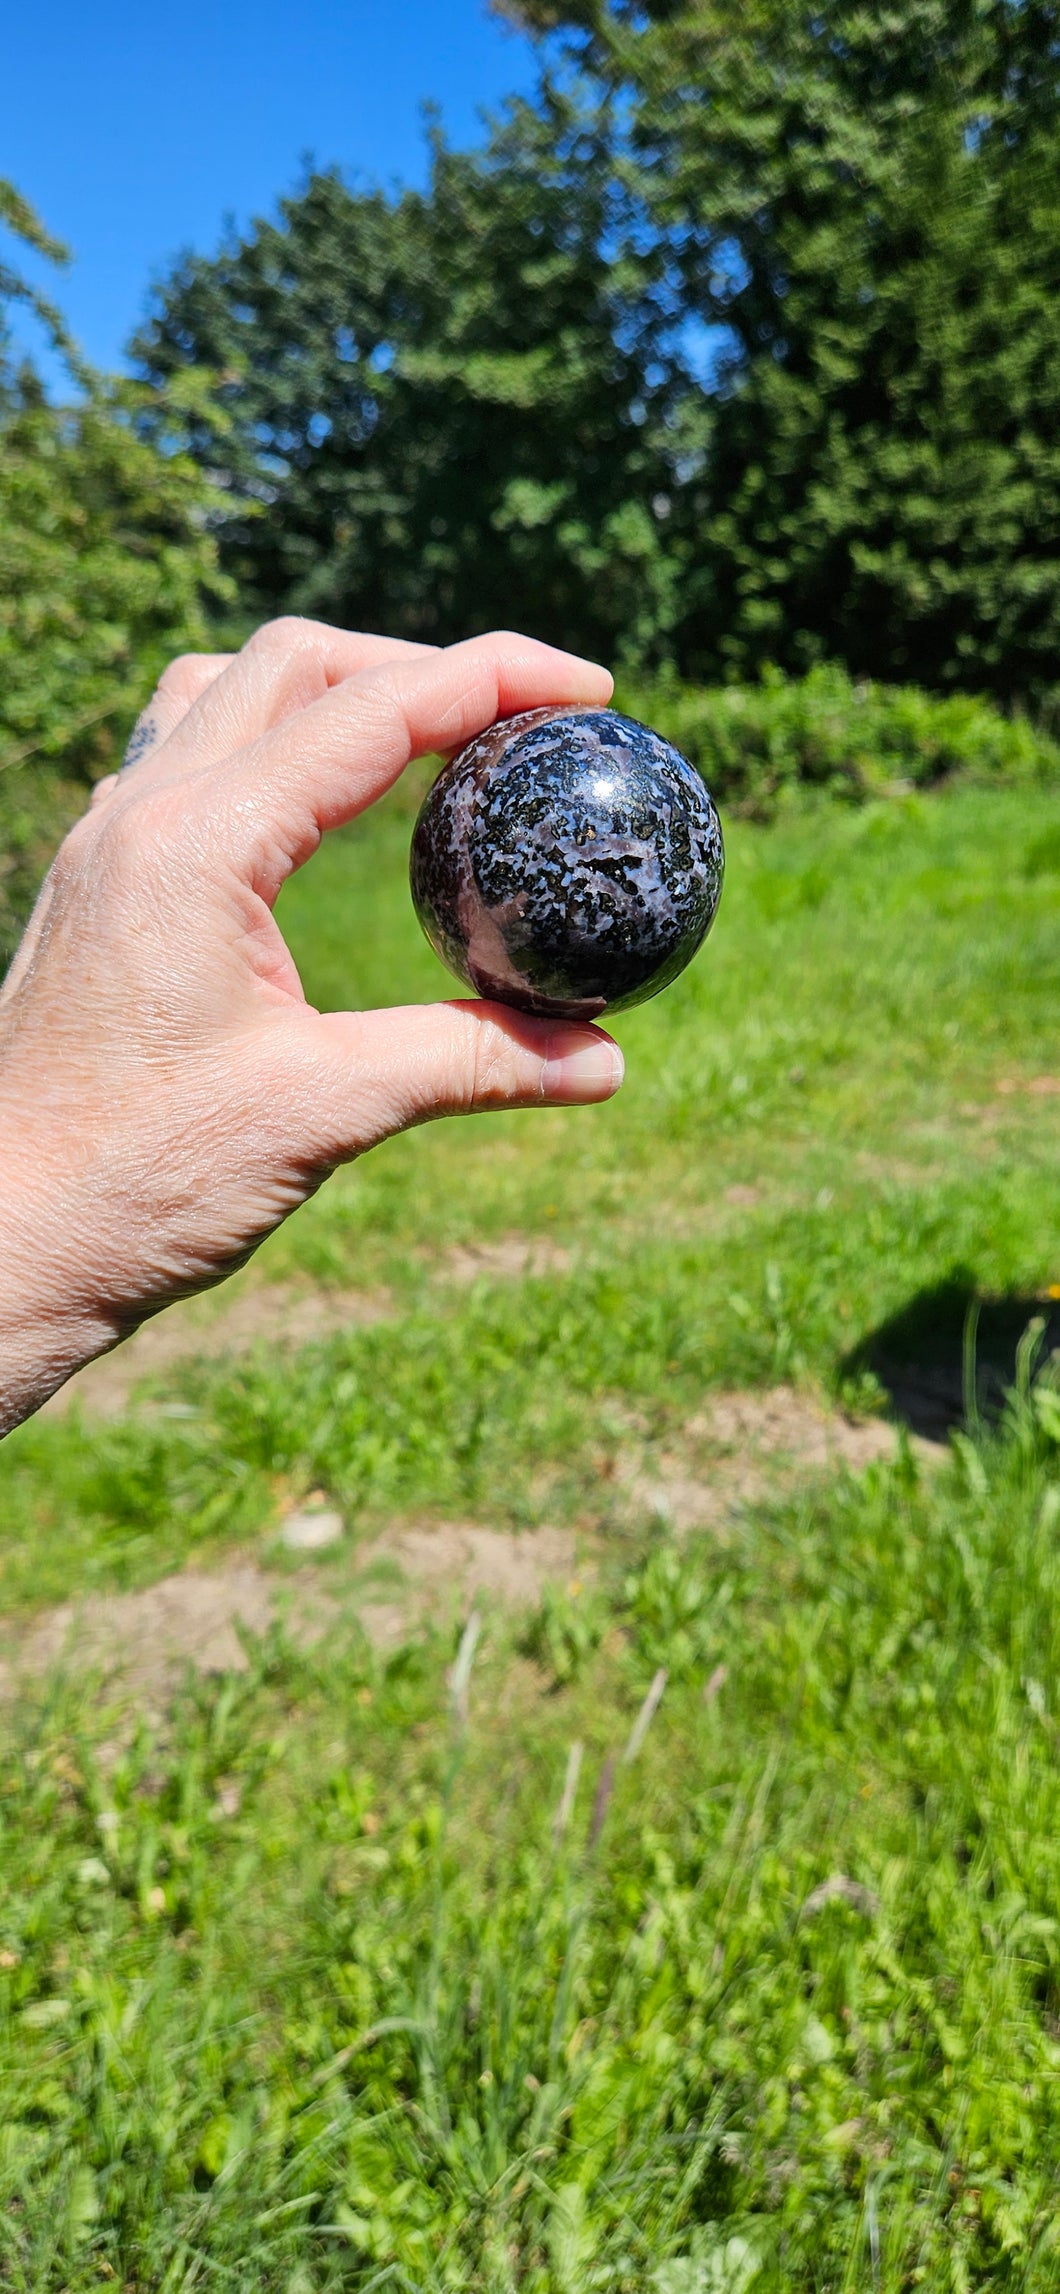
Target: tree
{"x": 106, "y": 569}
{"x": 866, "y": 202}
{"x": 455, "y": 404}
{"x": 18, "y": 217}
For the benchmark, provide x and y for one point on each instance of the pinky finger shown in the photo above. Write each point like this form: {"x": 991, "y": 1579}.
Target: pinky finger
{"x": 178, "y": 688}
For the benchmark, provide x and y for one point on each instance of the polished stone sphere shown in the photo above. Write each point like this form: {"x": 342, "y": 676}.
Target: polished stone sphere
{"x": 567, "y": 861}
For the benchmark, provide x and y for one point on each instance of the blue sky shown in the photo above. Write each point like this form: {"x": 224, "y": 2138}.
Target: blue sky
{"x": 136, "y": 130}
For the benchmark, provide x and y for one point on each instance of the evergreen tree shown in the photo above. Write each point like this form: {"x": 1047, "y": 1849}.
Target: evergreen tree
{"x": 866, "y": 203}
{"x": 455, "y": 404}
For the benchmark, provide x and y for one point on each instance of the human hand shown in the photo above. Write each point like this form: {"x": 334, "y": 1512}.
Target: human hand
{"x": 167, "y": 1096}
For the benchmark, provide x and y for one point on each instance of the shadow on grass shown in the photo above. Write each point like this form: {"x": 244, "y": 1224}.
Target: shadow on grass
{"x": 924, "y": 1355}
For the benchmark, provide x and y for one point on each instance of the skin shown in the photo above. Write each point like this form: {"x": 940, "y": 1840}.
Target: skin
{"x": 167, "y": 1096}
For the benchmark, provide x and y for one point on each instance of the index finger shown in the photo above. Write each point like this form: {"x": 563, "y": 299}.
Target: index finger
{"x": 282, "y": 669}
{"x": 332, "y": 760}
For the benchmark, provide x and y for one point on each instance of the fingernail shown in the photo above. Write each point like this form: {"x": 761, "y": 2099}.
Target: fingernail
{"x": 587, "y": 1072}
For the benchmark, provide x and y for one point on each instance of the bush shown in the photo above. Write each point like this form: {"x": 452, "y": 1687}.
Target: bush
{"x": 34, "y": 816}
{"x": 755, "y": 743}
{"x": 106, "y": 563}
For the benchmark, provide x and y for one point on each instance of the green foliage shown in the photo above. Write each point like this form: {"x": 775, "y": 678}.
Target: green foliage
{"x": 564, "y": 1631}
{"x": 824, "y": 1121}
{"x": 444, "y": 398}
{"x": 35, "y": 813}
{"x": 751, "y": 353}
{"x": 864, "y": 202}
{"x": 302, "y": 1988}
{"x": 106, "y": 567}
{"x": 295, "y": 1992}
{"x": 756, "y": 743}
{"x": 104, "y": 562}
{"x": 17, "y": 216}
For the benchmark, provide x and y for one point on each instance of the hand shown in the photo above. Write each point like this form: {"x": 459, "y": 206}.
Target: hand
{"x": 167, "y": 1095}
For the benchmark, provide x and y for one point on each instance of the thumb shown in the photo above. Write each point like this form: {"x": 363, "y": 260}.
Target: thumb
{"x": 379, "y": 1072}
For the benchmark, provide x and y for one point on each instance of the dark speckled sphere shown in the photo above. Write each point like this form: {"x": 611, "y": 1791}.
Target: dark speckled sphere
{"x": 567, "y": 861}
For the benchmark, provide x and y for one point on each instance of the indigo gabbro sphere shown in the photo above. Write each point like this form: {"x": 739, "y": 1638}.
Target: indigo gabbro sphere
{"x": 567, "y": 861}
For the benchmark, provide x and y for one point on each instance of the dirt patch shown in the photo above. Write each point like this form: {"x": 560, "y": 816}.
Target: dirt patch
{"x": 146, "y": 1639}
{"x": 741, "y": 1448}
{"x": 746, "y": 1446}
{"x": 246, "y": 1312}
{"x": 1003, "y": 1107}
{"x": 149, "y": 1636}
{"x": 436, "y": 1571}
{"x": 783, "y": 1422}
{"x": 226, "y": 1322}
{"x": 510, "y": 1260}
{"x": 1035, "y": 1086}
{"x": 891, "y": 1171}
{"x": 507, "y": 1565}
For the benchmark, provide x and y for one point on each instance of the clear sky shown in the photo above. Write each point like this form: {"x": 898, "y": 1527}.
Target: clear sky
{"x": 135, "y": 130}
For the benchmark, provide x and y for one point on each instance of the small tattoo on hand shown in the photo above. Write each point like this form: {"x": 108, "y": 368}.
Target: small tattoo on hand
{"x": 143, "y": 737}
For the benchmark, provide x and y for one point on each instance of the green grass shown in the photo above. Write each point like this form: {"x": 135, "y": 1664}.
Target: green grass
{"x": 377, "y": 2028}
{"x": 873, "y": 978}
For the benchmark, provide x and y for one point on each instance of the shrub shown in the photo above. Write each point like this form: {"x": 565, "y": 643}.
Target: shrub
{"x": 107, "y": 561}
{"x": 105, "y": 564}
{"x": 755, "y": 743}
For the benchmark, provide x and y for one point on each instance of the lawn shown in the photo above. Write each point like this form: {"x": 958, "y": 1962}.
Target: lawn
{"x": 320, "y": 1979}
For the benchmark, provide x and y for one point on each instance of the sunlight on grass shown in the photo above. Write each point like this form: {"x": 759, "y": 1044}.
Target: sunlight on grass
{"x": 304, "y": 1985}
{"x": 309, "y": 1990}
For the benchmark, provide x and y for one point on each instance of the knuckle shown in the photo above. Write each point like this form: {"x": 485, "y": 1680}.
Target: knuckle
{"x": 129, "y": 837}
{"x": 120, "y": 841}
{"x": 179, "y": 676}
{"x": 491, "y": 1067}
{"x": 117, "y": 854}
{"x": 289, "y": 633}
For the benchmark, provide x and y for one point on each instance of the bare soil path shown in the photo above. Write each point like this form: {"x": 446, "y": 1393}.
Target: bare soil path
{"x": 203, "y": 1618}
{"x": 244, "y": 1313}
{"x": 742, "y": 1448}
